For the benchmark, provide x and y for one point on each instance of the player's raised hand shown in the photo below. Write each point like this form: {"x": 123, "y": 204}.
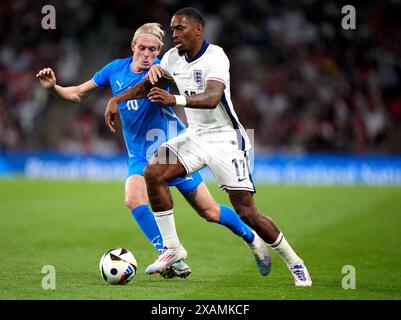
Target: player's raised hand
{"x": 47, "y": 78}
{"x": 110, "y": 113}
{"x": 158, "y": 95}
{"x": 155, "y": 73}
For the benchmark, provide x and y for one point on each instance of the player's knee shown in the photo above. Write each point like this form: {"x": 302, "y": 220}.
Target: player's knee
{"x": 212, "y": 218}
{"x": 211, "y": 214}
{"x": 133, "y": 203}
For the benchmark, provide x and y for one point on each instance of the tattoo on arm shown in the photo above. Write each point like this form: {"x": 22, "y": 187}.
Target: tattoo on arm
{"x": 208, "y": 99}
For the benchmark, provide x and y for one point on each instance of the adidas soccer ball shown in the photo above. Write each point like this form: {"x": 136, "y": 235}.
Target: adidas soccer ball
{"x": 118, "y": 266}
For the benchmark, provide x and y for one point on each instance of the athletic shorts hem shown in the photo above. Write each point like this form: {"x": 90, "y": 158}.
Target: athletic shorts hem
{"x": 225, "y": 187}
{"x": 178, "y": 156}
{"x": 134, "y": 174}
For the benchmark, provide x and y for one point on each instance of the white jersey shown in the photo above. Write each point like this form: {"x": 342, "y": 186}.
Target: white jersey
{"x": 211, "y": 63}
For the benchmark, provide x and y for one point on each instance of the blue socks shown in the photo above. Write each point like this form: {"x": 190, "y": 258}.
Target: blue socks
{"x": 228, "y": 217}
{"x": 231, "y": 220}
{"x": 147, "y": 222}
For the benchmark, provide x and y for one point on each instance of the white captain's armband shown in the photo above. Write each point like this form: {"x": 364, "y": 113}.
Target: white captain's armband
{"x": 180, "y": 101}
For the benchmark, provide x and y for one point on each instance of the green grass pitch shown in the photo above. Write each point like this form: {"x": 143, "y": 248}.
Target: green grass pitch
{"x": 69, "y": 225}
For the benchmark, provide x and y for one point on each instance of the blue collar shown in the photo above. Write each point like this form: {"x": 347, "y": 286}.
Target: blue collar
{"x": 202, "y": 50}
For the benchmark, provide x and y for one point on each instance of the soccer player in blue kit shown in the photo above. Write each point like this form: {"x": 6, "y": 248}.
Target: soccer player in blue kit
{"x": 143, "y": 122}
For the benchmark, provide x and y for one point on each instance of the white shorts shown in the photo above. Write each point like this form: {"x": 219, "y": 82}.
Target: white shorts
{"x": 219, "y": 152}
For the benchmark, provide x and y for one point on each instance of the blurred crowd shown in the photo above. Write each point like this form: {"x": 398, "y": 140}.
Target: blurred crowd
{"x": 302, "y": 82}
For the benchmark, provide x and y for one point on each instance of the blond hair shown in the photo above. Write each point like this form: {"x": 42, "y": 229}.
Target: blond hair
{"x": 152, "y": 28}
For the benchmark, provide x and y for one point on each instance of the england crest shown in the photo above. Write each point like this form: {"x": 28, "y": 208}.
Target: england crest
{"x": 198, "y": 77}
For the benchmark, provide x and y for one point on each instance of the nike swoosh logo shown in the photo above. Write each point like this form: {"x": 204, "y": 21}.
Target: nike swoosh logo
{"x": 239, "y": 180}
{"x": 176, "y": 74}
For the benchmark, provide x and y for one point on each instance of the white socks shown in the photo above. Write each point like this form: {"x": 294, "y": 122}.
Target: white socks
{"x": 165, "y": 221}
{"x": 284, "y": 250}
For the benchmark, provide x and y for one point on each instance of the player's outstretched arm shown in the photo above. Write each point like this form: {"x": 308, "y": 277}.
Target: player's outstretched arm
{"x": 139, "y": 91}
{"x": 136, "y": 92}
{"x": 47, "y": 79}
{"x": 206, "y": 100}
{"x": 155, "y": 73}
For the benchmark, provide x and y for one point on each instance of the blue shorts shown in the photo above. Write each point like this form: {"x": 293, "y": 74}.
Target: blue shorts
{"x": 185, "y": 184}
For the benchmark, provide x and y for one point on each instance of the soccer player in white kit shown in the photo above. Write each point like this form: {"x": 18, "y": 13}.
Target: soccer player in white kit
{"x": 214, "y": 138}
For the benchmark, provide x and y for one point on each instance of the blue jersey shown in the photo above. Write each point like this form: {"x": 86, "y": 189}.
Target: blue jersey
{"x": 145, "y": 125}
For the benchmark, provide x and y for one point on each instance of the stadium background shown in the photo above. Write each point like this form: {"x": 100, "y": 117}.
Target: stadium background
{"x": 324, "y": 103}
{"x": 298, "y": 79}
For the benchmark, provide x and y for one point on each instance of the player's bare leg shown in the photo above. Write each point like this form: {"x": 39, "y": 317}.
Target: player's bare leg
{"x": 203, "y": 203}
{"x": 244, "y": 204}
{"x": 207, "y": 207}
{"x": 136, "y": 200}
{"x": 160, "y": 169}
{"x": 163, "y": 167}
{"x": 135, "y": 192}
{"x": 201, "y": 200}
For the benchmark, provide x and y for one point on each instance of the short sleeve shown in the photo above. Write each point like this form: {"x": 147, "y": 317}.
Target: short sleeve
{"x": 102, "y": 77}
{"x": 164, "y": 63}
{"x": 218, "y": 67}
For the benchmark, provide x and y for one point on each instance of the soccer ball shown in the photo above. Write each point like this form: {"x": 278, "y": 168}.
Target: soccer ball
{"x": 118, "y": 266}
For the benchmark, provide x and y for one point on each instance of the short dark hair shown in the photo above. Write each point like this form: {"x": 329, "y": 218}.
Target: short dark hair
{"x": 191, "y": 13}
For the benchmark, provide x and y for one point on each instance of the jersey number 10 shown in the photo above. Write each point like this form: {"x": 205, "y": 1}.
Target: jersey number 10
{"x": 132, "y": 105}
